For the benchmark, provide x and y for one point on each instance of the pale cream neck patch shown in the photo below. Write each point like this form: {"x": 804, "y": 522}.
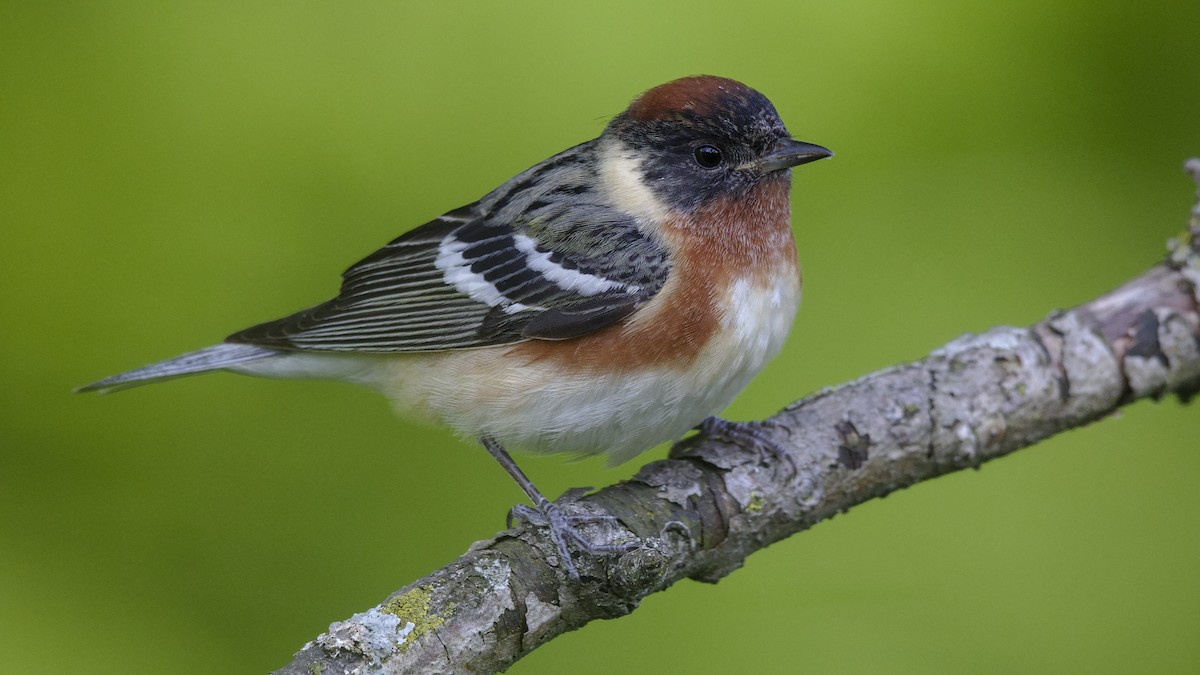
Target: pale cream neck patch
{"x": 622, "y": 180}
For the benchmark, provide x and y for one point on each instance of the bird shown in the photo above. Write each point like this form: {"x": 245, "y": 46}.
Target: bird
{"x": 608, "y": 299}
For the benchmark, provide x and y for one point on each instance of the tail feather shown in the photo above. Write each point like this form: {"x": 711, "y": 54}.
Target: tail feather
{"x": 201, "y": 361}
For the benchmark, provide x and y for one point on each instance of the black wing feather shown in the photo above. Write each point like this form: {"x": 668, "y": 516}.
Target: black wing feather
{"x": 399, "y": 300}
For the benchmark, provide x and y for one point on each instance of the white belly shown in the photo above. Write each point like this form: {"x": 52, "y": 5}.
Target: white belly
{"x": 537, "y": 407}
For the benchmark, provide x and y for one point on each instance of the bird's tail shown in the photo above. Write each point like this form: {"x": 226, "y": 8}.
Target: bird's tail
{"x": 201, "y": 361}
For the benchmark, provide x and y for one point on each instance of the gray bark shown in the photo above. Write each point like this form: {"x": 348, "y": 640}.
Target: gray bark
{"x": 701, "y": 512}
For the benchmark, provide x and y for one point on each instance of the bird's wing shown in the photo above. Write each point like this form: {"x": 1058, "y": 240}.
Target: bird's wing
{"x": 520, "y": 264}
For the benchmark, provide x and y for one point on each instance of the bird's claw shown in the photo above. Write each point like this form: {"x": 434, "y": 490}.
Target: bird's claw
{"x": 751, "y": 434}
{"x": 562, "y": 526}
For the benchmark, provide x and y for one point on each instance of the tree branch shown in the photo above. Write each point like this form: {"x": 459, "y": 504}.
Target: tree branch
{"x": 700, "y": 513}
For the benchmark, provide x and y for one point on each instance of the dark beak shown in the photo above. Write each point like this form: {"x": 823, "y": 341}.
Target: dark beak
{"x": 788, "y": 153}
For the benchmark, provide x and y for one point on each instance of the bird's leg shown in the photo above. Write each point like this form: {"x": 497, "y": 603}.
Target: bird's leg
{"x": 749, "y": 434}
{"x": 545, "y": 513}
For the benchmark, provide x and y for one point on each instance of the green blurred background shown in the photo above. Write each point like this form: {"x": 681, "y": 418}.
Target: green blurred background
{"x": 170, "y": 172}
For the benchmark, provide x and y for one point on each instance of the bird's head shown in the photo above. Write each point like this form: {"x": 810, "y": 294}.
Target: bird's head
{"x": 704, "y": 137}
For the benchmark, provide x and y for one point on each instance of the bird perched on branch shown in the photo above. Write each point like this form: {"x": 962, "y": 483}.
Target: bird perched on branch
{"x": 606, "y": 300}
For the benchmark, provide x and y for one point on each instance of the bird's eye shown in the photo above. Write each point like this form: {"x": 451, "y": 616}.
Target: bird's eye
{"x": 707, "y": 156}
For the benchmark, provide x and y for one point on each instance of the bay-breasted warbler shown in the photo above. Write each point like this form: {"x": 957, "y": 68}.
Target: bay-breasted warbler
{"x": 606, "y": 300}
